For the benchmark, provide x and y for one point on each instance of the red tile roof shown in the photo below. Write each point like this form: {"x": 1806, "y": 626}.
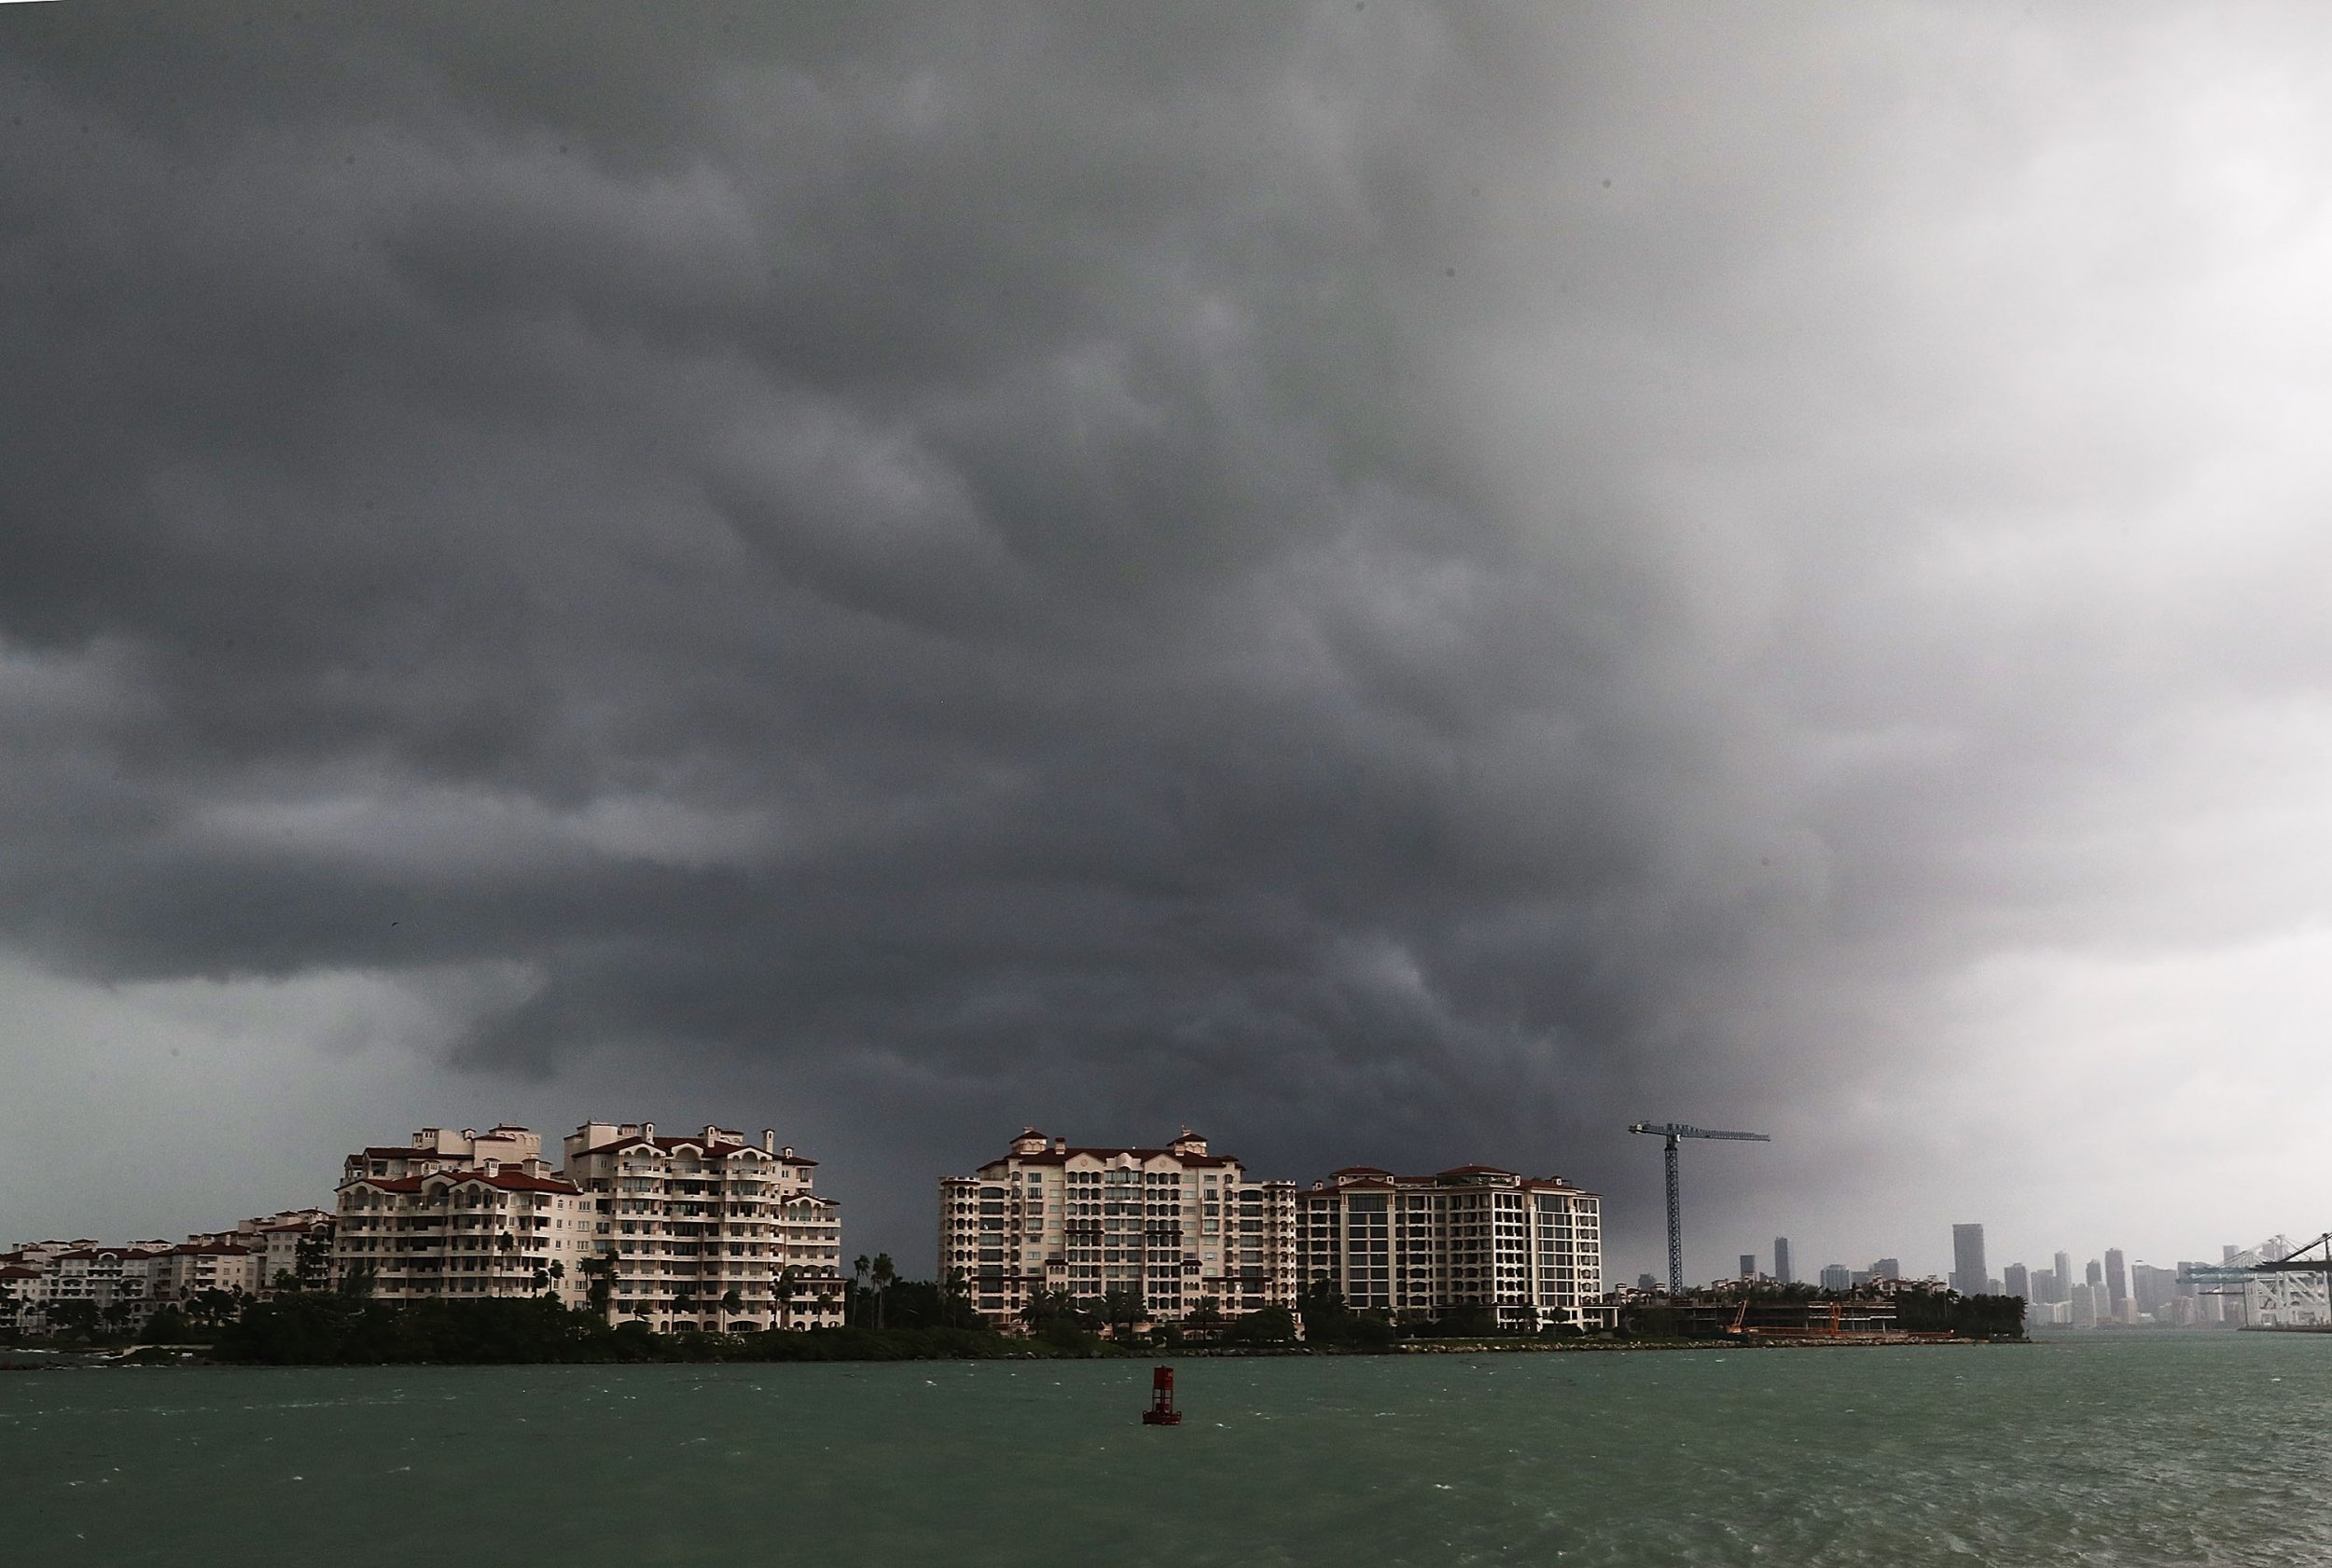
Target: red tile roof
{"x": 1061, "y": 1157}
{"x": 660, "y": 1144}
{"x": 509, "y": 1181}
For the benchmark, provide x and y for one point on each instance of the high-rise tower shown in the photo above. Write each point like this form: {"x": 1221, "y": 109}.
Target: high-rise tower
{"x": 1780, "y": 1261}
{"x": 1969, "y": 1276}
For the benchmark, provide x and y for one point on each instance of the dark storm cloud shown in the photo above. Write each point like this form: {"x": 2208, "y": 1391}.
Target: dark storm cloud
{"x": 1110, "y": 565}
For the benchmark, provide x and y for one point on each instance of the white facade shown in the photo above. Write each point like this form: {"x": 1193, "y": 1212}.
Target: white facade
{"x": 480, "y": 1233}
{"x": 1174, "y": 1227}
{"x": 1529, "y": 1250}
{"x": 706, "y": 1228}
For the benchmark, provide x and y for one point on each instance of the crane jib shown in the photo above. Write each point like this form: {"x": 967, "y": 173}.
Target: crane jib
{"x": 1670, "y": 1131}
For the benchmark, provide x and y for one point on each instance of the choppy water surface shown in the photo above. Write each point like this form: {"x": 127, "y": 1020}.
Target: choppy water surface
{"x": 2172, "y": 1449}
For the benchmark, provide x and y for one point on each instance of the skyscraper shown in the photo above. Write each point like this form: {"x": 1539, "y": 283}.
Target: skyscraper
{"x": 2116, "y": 1279}
{"x": 1780, "y": 1261}
{"x": 2016, "y": 1282}
{"x": 2094, "y": 1273}
{"x": 1748, "y": 1266}
{"x": 1968, "y": 1274}
{"x": 1838, "y": 1276}
{"x": 1887, "y": 1268}
{"x": 2064, "y": 1278}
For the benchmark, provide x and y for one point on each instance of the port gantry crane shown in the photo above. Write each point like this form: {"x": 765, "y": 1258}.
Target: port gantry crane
{"x": 1672, "y": 1130}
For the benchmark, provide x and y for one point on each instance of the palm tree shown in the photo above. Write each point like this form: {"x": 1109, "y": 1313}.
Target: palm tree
{"x": 788, "y": 1282}
{"x": 1121, "y": 1310}
{"x": 1043, "y": 1306}
{"x": 601, "y": 1271}
{"x": 884, "y": 1274}
{"x": 858, "y": 1275}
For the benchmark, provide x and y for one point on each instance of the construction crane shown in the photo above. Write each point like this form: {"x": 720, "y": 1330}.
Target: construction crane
{"x": 1672, "y": 1130}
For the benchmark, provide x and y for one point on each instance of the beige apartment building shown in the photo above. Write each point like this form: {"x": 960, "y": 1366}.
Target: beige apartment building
{"x": 23, "y": 1296}
{"x": 185, "y": 1273}
{"x": 1174, "y": 1227}
{"x": 134, "y": 1277}
{"x": 709, "y": 1230}
{"x": 275, "y": 1240}
{"x": 126, "y": 1284}
{"x": 1527, "y": 1249}
{"x": 462, "y": 1217}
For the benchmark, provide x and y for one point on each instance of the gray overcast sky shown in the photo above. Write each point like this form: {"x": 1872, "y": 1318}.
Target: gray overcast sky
{"x": 1400, "y": 584}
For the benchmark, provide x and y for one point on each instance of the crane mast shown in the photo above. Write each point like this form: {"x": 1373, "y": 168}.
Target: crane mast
{"x": 1672, "y": 1131}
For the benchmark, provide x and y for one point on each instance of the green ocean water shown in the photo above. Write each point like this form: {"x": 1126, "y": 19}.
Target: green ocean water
{"x": 2195, "y": 1449}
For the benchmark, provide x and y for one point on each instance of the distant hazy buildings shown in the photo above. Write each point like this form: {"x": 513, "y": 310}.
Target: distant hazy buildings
{"x": 1748, "y": 1266}
{"x": 1887, "y": 1268}
{"x": 123, "y": 1286}
{"x": 1837, "y": 1276}
{"x": 1780, "y": 1261}
{"x": 1968, "y": 1274}
{"x": 2116, "y": 1285}
{"x": 2015, "y": 1281}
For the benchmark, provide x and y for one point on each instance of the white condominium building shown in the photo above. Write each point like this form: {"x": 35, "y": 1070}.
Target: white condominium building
{"x": 276, "y": 1242}
{"x": 124, "y": 1282}
{"x": 1174, "y": 1227}
{"x": 465, "y": 1216}
{"x": 706, "y": 1228}
{"x": 1528, "y": 1250}
{"x": 200, "y": 1267}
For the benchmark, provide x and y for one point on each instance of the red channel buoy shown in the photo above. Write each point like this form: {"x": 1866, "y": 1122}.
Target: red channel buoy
{"x": 1162, "y": 1411}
